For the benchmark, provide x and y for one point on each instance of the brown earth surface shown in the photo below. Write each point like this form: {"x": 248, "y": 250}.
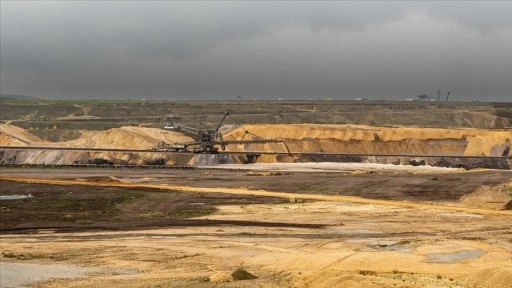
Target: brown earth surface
{"x": 219, "y": 228}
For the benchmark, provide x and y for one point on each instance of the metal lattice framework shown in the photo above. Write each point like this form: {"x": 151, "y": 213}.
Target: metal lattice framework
{"x": 207, "y": 140}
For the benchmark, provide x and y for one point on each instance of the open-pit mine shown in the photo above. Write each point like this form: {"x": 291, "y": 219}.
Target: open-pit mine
{"x": 284, "y": 194}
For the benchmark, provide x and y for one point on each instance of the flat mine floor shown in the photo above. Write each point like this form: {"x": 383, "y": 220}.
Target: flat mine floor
{"x": 268, "y": 227}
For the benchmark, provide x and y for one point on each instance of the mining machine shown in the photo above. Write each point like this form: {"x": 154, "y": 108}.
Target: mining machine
{"x": 206, "y": 140}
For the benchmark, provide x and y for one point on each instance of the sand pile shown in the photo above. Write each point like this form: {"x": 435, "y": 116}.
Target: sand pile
{"x": 362, "y": 139}
{"x": 490, "y": 278}
{"x": 119, "y": 138}
{"x": 127, "y": 138}
{"x": 14, "y": 136}
{"x": 490, "y": 197}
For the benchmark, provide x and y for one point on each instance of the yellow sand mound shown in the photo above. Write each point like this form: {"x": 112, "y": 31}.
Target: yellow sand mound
{"x": 15, "y": 136}
{"x": 124, "y": 137}
{"x": 127, "y": 137}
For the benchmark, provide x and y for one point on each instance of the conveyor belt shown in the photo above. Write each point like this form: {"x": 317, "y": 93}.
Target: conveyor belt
{"x": 85, "y": 149}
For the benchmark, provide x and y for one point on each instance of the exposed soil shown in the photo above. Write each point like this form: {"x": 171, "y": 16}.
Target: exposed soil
{"x": 444, "y": 185}
{"x": 135, "y": 205}
{"x": 218, "y": 228}
{"x": 77, "y": 207}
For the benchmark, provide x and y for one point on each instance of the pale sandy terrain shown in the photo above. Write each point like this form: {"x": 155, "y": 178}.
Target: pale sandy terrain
{"x": 352, "y": 242}
{"x": 361, "y": 246}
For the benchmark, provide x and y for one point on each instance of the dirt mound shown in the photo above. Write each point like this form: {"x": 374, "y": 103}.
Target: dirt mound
{"x": 237, "y": 275}
{"x": 119, "y": 138}
{"x": 221, "y": 277}
{"x": 360, "y": 139}
{"x": 491, "y": 277}
{"x": 497, "y": 197}
{"x": 14, "y": 136}
{"x": 127, "y": 138}
{"x": 242, "y": 274}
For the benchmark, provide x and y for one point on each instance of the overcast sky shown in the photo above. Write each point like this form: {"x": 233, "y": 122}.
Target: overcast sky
{"x": 262, "y": 50}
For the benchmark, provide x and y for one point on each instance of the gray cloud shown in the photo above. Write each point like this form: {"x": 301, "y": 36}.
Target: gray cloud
{"x": 293, "y": 50}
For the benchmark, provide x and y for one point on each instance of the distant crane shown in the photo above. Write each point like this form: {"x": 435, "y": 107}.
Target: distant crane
{"x": 423, "y": 97}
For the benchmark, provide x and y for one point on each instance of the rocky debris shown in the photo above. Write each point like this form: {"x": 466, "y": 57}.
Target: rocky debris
{"x": 417, "y": 163}
{"x": 242, "y": 274}
{"x": 99, "y": 161}
{"x": 237, "y": 275}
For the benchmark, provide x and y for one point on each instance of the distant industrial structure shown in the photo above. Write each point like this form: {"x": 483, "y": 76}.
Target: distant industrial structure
{"x": 425, "y": 97}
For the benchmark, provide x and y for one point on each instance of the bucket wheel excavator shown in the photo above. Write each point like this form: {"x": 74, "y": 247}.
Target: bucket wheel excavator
{"x": 207, "y": 141}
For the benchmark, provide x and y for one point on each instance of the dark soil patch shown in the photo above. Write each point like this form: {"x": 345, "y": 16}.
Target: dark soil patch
{"x": 508, "y": 206}
{"x": 242, "y": 274}
{"x": 72, "y": 207}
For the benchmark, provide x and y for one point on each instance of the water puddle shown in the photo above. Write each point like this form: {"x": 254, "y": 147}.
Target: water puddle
{"x": 15, "y": 197}
{"x": 26, "y": 274}
{"x": 454, "y": 256}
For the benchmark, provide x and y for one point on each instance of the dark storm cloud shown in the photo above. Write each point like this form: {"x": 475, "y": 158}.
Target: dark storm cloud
{"x": 343, "y": 50}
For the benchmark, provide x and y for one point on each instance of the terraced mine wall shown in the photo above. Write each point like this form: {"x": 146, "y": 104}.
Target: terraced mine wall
{"x": 362, "y": 139}
{"x": 457, "y": 147}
